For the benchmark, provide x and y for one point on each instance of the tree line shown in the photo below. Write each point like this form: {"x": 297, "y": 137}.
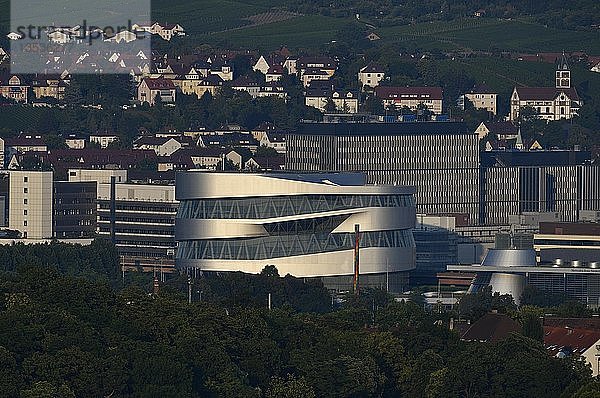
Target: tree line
{"x": 70, "y": 331}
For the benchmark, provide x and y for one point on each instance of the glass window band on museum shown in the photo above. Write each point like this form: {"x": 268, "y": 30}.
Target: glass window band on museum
{"x": 282, "y": 206}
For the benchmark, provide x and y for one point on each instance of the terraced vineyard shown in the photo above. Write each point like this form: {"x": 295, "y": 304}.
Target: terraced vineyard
{"x": 486, "y": 34}
{"x": 310, "y": 31}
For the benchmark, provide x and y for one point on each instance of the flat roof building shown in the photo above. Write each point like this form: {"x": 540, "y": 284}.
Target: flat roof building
{"x": 302, "y": 223}
{"x": 568, "y": 242}
{"x": 441, "y": 159}
{"x": 30, "y": 203}
{"x": 75, "y": 214}
{"x": 142, "y": 225}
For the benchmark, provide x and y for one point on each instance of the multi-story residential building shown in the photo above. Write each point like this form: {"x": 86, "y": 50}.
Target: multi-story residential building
{"x": 371, "y": 75}
{"x": 265, "y": 63}
{"x": 345, "y": 101}
{"x": 101, "y": 176}
{"x": 499, "y": 130}
{"x": 304, "y": 224}
{"x": 311, "y": 74}
{"x": 441, "y": 159}
{"x": 198, "y": 85}
{"x": 75, "y": 209}
{"x": 103, "y": 138}
{"x": 411, "y": 97}
{"x": 325, "y": 64}
{"x": 167, "y": 30}
{"x": 162, "y": 146}
{"x": 274, "y": 74}
{"x": 150, "y": 89}
{"x": 30, "y": 203}
{"x": 13, "y": 87}
{"x": 273, "y": 140}
{"x": 482, "y": 97}
{"x": 24, "y": 143}
{"x": 549, "y": 103}
{"x": 49, "y": 86}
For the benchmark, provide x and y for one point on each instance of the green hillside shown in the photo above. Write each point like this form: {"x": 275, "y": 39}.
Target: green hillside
{"x": 266, "y": 24}
{"x": 311, "y": 31}
{"x": 489, "y": 34}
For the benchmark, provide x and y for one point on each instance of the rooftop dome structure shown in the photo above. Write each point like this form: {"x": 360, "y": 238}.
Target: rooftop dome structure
{"x": 510, "y": 258}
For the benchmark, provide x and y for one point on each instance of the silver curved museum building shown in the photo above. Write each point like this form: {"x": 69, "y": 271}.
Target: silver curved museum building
{"x": 301, "y": 223}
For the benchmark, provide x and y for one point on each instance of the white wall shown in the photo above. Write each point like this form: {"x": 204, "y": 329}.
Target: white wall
{"x": 31, "y": 203}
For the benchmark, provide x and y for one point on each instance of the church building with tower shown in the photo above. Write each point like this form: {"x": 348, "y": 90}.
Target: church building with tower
{"x": 549, "y": 103}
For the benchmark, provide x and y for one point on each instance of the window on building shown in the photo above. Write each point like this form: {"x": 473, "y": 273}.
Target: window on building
{"x": 24, "y": 223}
{"x": 25, "y": 179}
{"x": 25, "y": 190}
{"x": 25, "y": 212}
{"x": 24, "y": 201}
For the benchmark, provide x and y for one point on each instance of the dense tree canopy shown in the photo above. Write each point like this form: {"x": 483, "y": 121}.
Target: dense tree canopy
{"x": 68, "y": 331}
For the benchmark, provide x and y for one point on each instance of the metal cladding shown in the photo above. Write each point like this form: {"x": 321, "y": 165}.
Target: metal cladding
{"x": 510, "y": 258}
{"x": 302, "y": 223}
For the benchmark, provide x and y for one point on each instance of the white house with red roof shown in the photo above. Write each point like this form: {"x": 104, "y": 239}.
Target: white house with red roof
{"x": 549, "y": 103}
{"x": 411, "y": 97}
{"x": 150, "y": 89}
{"x": 167, "y": 30}
{"x": 371, "y": 75}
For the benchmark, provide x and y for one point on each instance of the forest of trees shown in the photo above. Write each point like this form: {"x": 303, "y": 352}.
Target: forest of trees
{"x": 71, "y": 327}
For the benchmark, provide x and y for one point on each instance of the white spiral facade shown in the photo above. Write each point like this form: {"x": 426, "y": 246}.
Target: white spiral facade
{"x": 301, "y": 223}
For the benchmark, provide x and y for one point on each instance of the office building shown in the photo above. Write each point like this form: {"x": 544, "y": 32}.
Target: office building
{"x": 74, "y": 209}
{"x": 304, "y": 224}
{"x": 140, "y": 219}
{"x": 30, "y": 203}
{"x": 514, "y": 183}
{"x": 441, "y": 159}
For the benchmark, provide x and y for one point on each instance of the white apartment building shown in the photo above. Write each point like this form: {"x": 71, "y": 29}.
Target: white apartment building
{"x": 101, "y": 176}
{"x": 483, "y": 97}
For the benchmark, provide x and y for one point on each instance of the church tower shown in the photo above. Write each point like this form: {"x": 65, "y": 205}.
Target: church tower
{"x": 563, "y": 74}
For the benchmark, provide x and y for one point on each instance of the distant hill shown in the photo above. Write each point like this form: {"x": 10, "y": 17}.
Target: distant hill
{"x": 513, "y": 25}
